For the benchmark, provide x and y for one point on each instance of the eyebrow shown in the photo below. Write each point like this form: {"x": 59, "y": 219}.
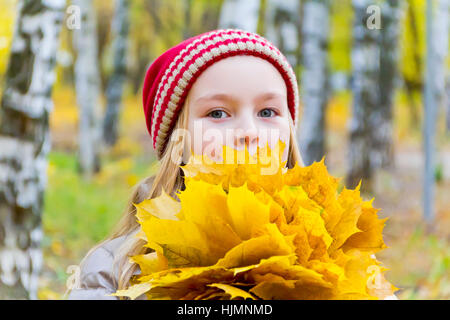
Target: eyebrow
{"x": 216, "y": 96}
{"x": 223, "y": 96}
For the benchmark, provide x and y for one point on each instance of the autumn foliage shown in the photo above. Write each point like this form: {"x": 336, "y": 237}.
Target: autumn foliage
{"x": 236, "y": 234}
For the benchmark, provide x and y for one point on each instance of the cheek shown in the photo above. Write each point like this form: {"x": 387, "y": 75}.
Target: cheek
{"x": 206, "y": 137}
{"x": 278, "y": 131}
{"x": 195, "y": 133}
{"x": 273, "y": 131}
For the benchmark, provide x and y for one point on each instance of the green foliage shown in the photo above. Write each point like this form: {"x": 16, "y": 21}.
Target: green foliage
{"x": 426, "y": 259}
{"x": 439, "y": 172}
{"x": 75, "y": 207}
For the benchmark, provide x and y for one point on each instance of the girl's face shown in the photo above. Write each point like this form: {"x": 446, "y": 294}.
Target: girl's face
{"x": 238, "y": 101}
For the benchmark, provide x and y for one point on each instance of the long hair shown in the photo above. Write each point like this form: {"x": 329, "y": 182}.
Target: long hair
{"x": 170, "y": 179}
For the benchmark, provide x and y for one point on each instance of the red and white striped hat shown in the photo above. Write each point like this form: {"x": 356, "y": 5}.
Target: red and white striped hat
{"x": 172, "y": 74}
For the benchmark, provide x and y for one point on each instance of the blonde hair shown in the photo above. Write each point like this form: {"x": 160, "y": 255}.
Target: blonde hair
{"x": 170, "y": 179}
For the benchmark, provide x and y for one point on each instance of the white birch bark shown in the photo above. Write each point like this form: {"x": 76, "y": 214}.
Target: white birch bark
{"x": 114, "y": 91}
{"x": 25, "y": 143}
{"x": 87, "y": 86}
{"x": 314, "y": 84}
{"x": 365, "y": 88}
{"x": 441, "y": 23}
{"x": 240, "y": 14}
{"x": 447, "y": 102}
{"x": 429, "y": 119}
{"x": 436, "y": 51}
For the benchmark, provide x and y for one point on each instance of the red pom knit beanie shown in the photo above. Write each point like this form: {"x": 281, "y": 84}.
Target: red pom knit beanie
{"x": 172, "y": 74}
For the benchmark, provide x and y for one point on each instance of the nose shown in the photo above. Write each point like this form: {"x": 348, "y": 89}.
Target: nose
{"x": 248, "y": 139}
{"x": 246, "y": 134}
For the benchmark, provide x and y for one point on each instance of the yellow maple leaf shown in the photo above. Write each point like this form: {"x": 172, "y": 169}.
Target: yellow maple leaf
{"x": 233, "y": 291}
{"x": 370, "y": 237}
{"x": 239, "y": 231}
{"x": 270, "y": 243}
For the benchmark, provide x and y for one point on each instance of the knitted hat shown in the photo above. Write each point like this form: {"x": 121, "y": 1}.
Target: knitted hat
{"x": 172, "y": 74}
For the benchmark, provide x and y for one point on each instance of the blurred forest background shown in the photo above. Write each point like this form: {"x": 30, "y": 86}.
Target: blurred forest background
{"x": 374, "y": 82}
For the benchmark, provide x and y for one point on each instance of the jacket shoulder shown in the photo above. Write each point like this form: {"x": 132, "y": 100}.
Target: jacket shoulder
{"x": 96, "y": 278}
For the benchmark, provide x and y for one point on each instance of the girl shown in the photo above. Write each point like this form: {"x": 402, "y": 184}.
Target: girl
{"x": 221, "y": 87}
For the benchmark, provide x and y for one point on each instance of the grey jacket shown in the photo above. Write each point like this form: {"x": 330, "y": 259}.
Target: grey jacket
{"x": 96, "y": 277}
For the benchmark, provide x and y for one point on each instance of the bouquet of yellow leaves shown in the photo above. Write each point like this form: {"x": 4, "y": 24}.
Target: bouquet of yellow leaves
{"x": 237, "y": 234}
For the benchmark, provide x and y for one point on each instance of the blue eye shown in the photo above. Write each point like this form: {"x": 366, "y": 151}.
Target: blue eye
{"x": 266, "y": 113}
{"x": 217, "y": 114}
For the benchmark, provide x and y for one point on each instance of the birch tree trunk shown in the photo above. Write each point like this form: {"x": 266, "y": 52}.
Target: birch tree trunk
{"x": 25, "y": 143}
{"x": 365, "y": 88}
{"x": 381, "y": 120}
{"x": 314, "y": 79}
{"x": 241, "y": 14}
{"x": 87, "y": 85}
{"x": 447, "y": 102}
{"x": 430, "y": 119}
{"x": 441, "y": 24}
{"x": 437, "y": 47}
{"x": 282, "y": 27}
{"x": 114, "y": 91}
